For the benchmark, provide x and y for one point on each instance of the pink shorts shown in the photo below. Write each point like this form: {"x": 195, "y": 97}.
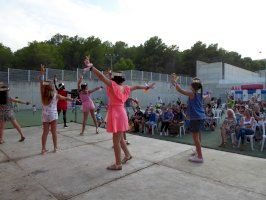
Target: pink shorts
{"x": 86, "y": 107}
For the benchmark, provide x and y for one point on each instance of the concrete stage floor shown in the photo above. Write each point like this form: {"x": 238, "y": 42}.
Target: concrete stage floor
{"x": 158, "y": 171}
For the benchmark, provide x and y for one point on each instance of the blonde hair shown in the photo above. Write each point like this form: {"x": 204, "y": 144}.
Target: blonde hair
{"x": 47, "y": 93}
{"x": 233, "y": 113}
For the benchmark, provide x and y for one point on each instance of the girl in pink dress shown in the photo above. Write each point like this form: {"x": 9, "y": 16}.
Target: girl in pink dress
{"x": 117, "y": 120}
{"x": 87, "y": 104}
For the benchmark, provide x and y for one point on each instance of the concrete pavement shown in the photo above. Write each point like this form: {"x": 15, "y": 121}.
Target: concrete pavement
{"x": 159, "y": 170}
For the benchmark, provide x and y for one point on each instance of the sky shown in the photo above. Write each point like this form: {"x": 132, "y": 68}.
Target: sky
{"x": 236, "y": 25}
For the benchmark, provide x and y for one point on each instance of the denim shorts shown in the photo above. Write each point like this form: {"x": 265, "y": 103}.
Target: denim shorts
{"x": 196, "y": 125}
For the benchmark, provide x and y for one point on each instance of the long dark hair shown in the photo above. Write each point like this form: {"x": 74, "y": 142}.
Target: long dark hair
{"x": 3, "y": 95}
{"x": 197, "y": 85}
{"x": 118, "y": 78}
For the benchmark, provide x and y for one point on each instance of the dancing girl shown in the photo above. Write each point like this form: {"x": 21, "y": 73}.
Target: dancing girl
{"x": 117, "y": 120}
{"x": 87, "y": 104}
{"x": 49, "y": 110}
{"x": 196, "y": 113}
{"x": 7, "y": 112}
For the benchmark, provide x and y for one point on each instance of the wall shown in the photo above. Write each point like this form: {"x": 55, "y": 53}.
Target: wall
{"x": 209, "y": 72}
{"x": 235, "y": 74}
{"x": 30, "y": 91}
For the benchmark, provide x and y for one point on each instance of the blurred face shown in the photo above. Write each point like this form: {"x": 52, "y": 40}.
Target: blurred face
{"x": 229, "y": 114}
{"x": 246, "y": 113}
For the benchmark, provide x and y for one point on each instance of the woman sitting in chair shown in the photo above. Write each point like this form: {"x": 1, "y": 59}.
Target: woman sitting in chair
{"x": 247, "y": 125}
{"x": 228, "y": 127}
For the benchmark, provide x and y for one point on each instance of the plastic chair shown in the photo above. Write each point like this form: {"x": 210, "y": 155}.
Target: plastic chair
{"x": 263, "y": 136}
{"x": 217, "y": 115}
{"x": 180, "y": 130}
{"x": 153, "y": 127}
{"x": 251, "y": 138}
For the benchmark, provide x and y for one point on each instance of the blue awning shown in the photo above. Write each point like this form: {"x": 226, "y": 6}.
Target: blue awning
{"x": 251, "y": 91}
{"x": 263, "y": 91}
{"x": 238, "y": 92}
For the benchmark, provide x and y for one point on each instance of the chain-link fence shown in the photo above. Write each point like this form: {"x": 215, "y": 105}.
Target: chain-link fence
{"x": 12, "y": 75}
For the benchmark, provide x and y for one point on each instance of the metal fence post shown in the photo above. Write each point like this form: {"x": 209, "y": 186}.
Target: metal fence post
{"x": 131, "y": 75}
{"x": 46, "y": 74}
{"x": 151, "y": 76}
{"x": 28, "y": 75}
{"x": 166, "y": 77}
{"x": 142, "y": 74}
{"x": 160, "y": 77}
{"x": 8, "y": 73}
{"x": 186, "y": 81}
{"x": 62, "y": 75}
{"x": 77, "y": 74}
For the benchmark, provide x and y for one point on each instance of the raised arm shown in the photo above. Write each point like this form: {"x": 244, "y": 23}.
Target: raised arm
{"x": 190, "y": 94}
{"x": 95, "y": 89}
{"x": 19, "y": 101}
{"x": 55, "y": 84}
{"x": 79, "y": 82}
{"x": 60, "y": 97}
{"x": 102, "y": 77}
{"x": 139, "y": 87}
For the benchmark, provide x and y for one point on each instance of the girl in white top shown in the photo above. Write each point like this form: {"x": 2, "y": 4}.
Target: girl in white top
{"x": 49, "y": 112}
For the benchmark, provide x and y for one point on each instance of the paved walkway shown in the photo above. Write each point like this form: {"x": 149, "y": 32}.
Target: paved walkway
{"x": 158, "y": 171}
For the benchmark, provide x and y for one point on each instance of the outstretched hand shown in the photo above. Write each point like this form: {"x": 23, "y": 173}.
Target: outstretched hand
{"x": 87, "y": 62}
{"x": 173, "y": 79}
{"x": 151, "y": 86}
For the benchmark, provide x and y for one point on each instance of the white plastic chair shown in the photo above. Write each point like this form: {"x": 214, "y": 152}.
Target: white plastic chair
{"x": 217, "y": 115}
{"x": 263, "y": 136}
{"x": 182, "y": 128}
{"x": 233, "y": 135}
{"x": 153, "y": 127}
{"x": 251, "y": 138}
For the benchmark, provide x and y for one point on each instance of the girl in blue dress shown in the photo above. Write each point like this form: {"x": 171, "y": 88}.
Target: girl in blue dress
{"x": 195, "y": 113}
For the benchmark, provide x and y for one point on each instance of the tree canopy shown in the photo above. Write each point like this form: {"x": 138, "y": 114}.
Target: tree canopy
{"x": 65, "y": 52}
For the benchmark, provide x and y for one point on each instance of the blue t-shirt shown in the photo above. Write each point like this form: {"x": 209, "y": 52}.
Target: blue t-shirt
{"x": 195, "y": 108}
{"x": 152, "y": 117}
{"x": 167, "y": 116}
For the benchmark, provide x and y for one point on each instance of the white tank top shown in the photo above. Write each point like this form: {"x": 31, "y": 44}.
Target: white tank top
{"x": 52, "y": 107}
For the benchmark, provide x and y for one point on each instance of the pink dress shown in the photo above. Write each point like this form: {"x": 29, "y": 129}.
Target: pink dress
{"x": 87, "y": 103}
{"x": 117, "y": 120}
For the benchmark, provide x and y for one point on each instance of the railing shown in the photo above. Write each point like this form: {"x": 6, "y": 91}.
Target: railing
{"x": 11, "y": 75}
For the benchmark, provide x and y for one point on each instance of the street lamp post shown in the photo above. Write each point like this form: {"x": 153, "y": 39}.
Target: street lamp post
{"x": 111, "y": 57}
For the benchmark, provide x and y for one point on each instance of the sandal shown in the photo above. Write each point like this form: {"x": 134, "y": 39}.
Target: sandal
{"x": 81, "y": 134}
{"x": 22, "y": 139}
{"x": 114, "y": 167}
{"x": 125, "y": 159}
{"x": 97, "y": 131}
{"x": 44, "y": 151}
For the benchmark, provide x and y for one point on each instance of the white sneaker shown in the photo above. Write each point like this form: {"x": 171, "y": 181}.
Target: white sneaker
{"x": 194, "y": 152}
{"x": 195, "y": 159}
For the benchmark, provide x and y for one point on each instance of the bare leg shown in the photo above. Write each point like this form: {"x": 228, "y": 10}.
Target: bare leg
{"x": 44, "y": 136}
{"x": 223, "y": 135}
{"x": 94, "y": 120}
{"x": 54, "y": 134}
{"x": 117, "y": 148}
{"x": 17, "y": 126}
{"x": 2, "y": 128}
{"x": 84, "y": 122}
{"x": 124, "y": 147}
{"x": 196, "y": 138}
